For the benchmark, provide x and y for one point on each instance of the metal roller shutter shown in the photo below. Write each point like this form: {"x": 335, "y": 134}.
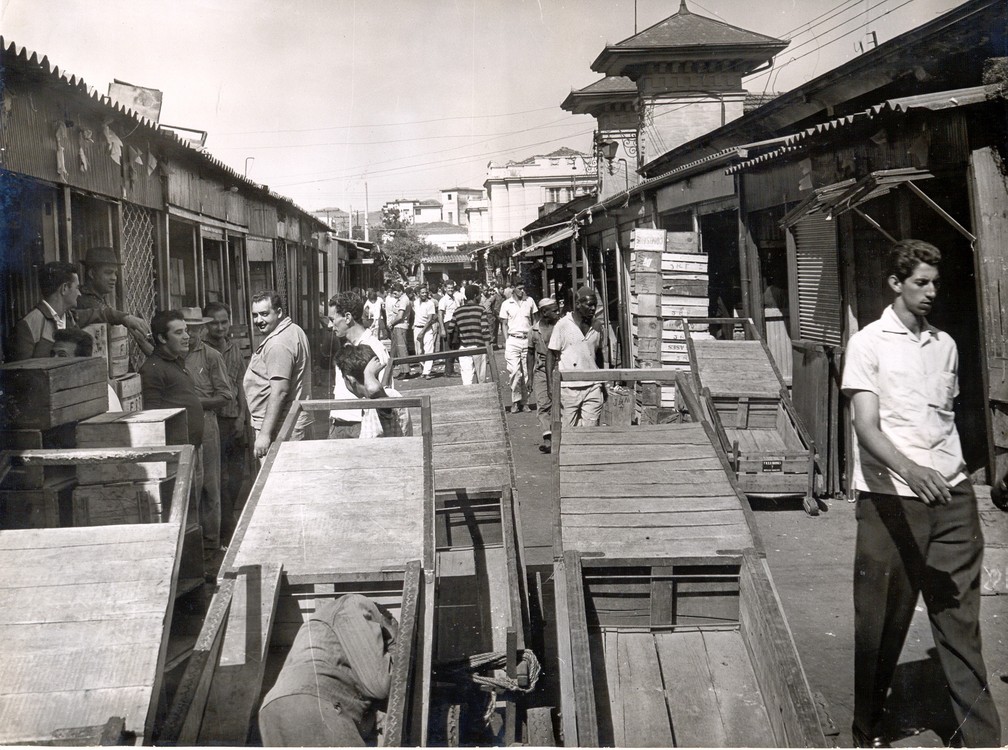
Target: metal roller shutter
{"x": 816, "y": 262}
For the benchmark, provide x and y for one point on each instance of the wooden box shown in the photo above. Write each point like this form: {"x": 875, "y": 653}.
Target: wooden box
{"x": 39, "y": 394}
{"x": 99, "y": 334}
{"x": 118, "y": 351}
{"x": 131, "y": 429}
{"x": 123, "y": 502}
{"x": 128, "y": 388}
{"x": 35, "y": 477}
{"x": 45, "y": 508}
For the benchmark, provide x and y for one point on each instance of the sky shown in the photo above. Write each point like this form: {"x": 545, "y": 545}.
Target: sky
{"x": 338, "y": 103}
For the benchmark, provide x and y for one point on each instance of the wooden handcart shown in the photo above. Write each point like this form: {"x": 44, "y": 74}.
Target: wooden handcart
{"x": 86, "y": 613}
{"x": 324, "y": 518}
{"x": 748, "y": 404}
{"x": 669, "y": 630}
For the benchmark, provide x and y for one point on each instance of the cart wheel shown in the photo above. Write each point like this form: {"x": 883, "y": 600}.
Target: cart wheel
{"x": 811, "y": 506}
{"x": 539, "y": 728}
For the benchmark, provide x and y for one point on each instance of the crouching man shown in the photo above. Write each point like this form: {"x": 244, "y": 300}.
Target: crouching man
{"x": 335, "y": 679}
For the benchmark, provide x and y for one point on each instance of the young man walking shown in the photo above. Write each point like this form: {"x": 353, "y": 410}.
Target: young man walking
{"x": 473, "y": 327}
{"x": 542, "y": 369}
{"x": 575, "y": 342}
{"x": 518, "y": 314}
{"x": 918, "y": 528}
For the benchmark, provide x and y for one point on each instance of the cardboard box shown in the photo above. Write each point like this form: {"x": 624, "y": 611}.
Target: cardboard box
{"x": 39, "y": 394}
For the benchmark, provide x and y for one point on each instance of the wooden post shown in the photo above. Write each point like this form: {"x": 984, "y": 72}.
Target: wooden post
{"x": 573, "y": 266}
{"x": 66, "y": 248}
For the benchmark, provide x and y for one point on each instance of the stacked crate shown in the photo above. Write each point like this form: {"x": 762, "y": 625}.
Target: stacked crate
{"x": 111, "y": 344}
{"x": 127, "y": 493}
{"x": 40, "y": 400}
{"x": 669, "y": 280}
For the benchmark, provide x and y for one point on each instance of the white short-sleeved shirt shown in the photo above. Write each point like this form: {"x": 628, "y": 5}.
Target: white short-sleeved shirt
{"x": 422, "y": 312}
{"x": 447, "y": 305}
{"x": 916, "y": 380}
{"x": 341, "y": 392}
{"x": 373, "y": 311}
{"x": 577, "y": 350}
{"x": 518, "y": 314}
{"x": 401, "y": 305}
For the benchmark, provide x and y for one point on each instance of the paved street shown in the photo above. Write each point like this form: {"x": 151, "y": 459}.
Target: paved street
{"x": 811, "y": 560}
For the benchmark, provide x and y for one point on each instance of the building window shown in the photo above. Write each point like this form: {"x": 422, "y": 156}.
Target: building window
{"x": 451, "y": 217}
{"x": 449, "y": 196}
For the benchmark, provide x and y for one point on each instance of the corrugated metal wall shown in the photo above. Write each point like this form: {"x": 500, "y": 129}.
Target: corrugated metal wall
{"x": 29, "y": 140}
{"x": 210, "y": 197}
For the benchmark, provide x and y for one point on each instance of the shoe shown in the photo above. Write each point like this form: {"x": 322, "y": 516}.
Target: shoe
{"x": 862, "y": 739}
{"x": 428, "y": 376}
{"x": 546, "y": 447}
{"x": 515, "y": 408}
{"x": 531, "y": 407}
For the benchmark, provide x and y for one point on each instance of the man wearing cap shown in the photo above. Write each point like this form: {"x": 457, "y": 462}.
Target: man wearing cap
{"x": 101, "y": 272}
{"x": 576, "y": 341}
{"x": 216, "y": 394}
{"x": 278, "y": 374}
{"x": 542, "y": 369}
{"x": 517, "y": 314}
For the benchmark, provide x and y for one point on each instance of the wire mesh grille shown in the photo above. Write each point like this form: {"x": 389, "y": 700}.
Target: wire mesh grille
{"x": 280, "y": 270}
{"x": 139, "y": 264}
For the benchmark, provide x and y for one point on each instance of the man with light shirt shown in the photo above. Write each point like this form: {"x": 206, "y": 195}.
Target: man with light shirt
{"x": 424, "y": 321}
{"x": 447, "y": 306}
{"x": 918, "y": 530}
{"x": 575, "y": 342}
{"x": 518, "y": 314}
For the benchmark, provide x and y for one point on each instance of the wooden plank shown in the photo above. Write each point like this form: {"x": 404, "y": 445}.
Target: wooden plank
{"x": 740, "y": 702}
{"x": 642, "y": 505}
{"x": 568, "y": 712}
{"x": 27, "y": 719}
{"x": 693, "y": 706}
{"x": 90, "y": 665}
{"x": 709, "y": 521}
{"x": 614, "y": 694}
{"x": 681, "y": 483}
{"x": 396, "y": 728}
{"x": 670, "y": 472}
{"x": 646, "y": 719}
{"x": 584, "y": 691}
{"x": 654, "y": 544}
{"x": 237, "y": 680}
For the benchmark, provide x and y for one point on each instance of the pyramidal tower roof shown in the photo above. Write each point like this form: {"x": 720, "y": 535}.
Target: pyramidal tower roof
{"x": 688, "y": 36}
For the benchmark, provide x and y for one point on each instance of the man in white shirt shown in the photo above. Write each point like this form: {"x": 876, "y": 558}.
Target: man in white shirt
{"x": 918, "y": 530}
{"x": 398, "y": 323}
{"x": 446, "y": 317}
{"x": 575, "y": 342}
{"x": 373, "y": 308}
{"x": 518, "y": 314}
{"x": 345, "y": 312}
{"x": 424, "y": 320}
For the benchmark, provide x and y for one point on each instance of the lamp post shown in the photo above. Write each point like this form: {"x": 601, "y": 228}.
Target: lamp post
{"x": 247, "y": 160}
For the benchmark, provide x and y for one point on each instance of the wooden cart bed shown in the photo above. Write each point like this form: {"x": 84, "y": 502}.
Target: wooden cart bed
{"x": 748, "y": 405}
{"x": 85, "y": 615}
{"x": 679, "y": 652}
{"x": 471, "y": 446}
{"x": 324, "y": 518}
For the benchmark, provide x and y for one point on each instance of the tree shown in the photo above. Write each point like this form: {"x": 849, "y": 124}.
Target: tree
{"x": 468, "y": 247}
{"x": 401, "y": 245}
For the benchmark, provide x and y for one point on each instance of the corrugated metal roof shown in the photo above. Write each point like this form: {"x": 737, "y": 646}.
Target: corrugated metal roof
{"x": 30, "y": 60}
{"x": 935, "y": 101}
{"x": 447, "y": 258}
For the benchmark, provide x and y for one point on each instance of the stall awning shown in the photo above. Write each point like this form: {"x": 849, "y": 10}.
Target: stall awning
{"x": 550, "y": 239}
{"x": 840, "y": 197}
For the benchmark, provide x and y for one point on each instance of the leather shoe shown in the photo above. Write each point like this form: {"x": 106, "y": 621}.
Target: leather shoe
{"x": 863, "y": 739}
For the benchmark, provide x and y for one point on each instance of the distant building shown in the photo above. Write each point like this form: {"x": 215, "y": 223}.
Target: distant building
{"x": 444, "y": 235}
{"x": 455, "y": 202}
{"x": 477, "y": 215}
{"x": 427, "y": 211}
{"x": 336, "y": 219}
{"x": 517, "y": 189}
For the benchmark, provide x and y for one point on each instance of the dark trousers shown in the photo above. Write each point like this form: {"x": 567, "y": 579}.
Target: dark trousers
{"x": 233, "y": 447}
{"x": 904, "y": 548}
{"x": 399, "y": 349}
{"x": 449, "y": 341}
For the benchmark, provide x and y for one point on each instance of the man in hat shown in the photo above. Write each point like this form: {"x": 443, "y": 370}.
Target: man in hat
{"x": 101, "y": 272}
{"x": 542, "y": 368}
{"x": 58, "y": 309}
{"x": 216, "y": 394}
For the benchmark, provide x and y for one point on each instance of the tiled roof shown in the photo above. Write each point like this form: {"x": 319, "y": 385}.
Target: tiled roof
{"x": 687, "y": 29}
{"x": 440, "y": 227}
{"x": 446, "y": 258}
{"x": 610, "y": 85}
{"x": 611, "y": 89}
{"x": 26, "y": 59}
{"x": 429, "y": 204}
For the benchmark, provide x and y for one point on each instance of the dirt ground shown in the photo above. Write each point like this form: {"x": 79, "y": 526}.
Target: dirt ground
{"x": 811, "y": 561}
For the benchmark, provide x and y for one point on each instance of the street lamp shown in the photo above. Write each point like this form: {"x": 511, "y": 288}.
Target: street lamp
{"x": 247, "y": 160}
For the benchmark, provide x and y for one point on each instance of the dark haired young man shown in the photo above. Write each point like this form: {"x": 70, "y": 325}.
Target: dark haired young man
{"x": 918, "y": 528}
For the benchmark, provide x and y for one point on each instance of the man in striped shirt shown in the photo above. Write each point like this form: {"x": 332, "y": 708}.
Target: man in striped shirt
{"x": 473, "y": 326}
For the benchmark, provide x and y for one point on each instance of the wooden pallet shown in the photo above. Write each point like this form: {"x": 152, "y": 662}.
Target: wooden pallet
{"x": 85, "y": 613}
{"x": 747, "y": 402}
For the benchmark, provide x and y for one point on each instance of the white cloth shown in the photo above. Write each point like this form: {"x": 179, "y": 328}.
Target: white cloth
{"x": 373, "y": 311}
{"x": 916, "y": 381}
{"x": 423, "y": 312}
{"x": 400, "y": 424}
{"x": 424, "y": 340}
{"x": 518, "y": 315}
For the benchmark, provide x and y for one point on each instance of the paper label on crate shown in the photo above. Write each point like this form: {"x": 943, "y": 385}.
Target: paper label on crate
{"x": 648, "y": 239}
{"x": 773, "y": 465}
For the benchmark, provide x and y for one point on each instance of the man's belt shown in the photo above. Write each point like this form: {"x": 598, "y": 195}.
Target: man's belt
{"x": 519, "y": 334}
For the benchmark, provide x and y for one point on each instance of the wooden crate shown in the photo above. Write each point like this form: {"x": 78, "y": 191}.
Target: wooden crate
{"x": 43, "y": 508}
{"x": 132, "y": 403}
{"x": 100, "y": 335}
{"x": 128, "y": 388}
{"x": 34, "y": 477}
{"x": 123, "y": 502}
{"x": 38, "y": 394}
{"x": 131, "y": 429}
{"x": 118, "y": 351}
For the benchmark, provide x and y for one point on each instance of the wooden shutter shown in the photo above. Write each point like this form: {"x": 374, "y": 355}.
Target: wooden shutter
{"x": 815, "y": 272}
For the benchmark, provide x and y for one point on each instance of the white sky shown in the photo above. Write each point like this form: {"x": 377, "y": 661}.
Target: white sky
{"x": 409, "y": 96}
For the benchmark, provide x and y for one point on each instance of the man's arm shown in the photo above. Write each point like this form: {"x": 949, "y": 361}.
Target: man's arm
{"x": 929, "y": 485}
{"x": 24, "y": 343}
{"x": 279, "y": 388}
{"x": 137, "y": 326}
{"x": 223, "y": 389}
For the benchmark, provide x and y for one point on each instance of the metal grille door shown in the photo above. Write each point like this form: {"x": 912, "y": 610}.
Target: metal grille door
{"x": 139, "y": 264}
{"x": 819, "y": 309}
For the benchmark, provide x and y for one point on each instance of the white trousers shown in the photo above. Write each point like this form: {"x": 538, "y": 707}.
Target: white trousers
{"x": 424, "y": 339}
{"x": 516, "y": 356}
{"x": 473, "y": 369}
